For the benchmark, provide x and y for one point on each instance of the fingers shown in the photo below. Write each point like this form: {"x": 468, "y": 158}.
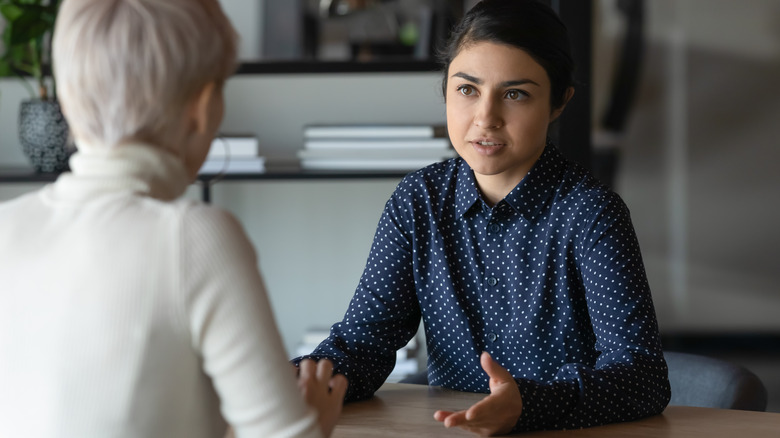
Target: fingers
{"x": 478, "y": 410}
{"x": 324, "y": 369}
{"x": 441, "y": 415}
{"x": 493, "y": 369}
{"x": 320, "y": 370}
{"x": 307, "y": 369}
{"x": 313, "y": 374}
{"x": 480, "y": 425}
{"x": 450, "y": 419}
{"x": 495, "y": 414}
{"x": 338, "y": 386}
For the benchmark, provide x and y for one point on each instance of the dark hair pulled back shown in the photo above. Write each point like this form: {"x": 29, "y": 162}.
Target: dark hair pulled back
{"x": 529, "y": 25}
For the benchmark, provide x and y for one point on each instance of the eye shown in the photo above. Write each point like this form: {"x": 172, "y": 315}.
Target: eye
{"x": 466, "y": 90}
{"x": 516, "y": 94}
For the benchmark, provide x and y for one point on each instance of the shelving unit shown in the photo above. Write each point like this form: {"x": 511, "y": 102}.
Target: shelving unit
{"x": 16, "y": 175}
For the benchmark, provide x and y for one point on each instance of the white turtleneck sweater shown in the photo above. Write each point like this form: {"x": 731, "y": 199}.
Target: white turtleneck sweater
{"x": 126, "y": 313}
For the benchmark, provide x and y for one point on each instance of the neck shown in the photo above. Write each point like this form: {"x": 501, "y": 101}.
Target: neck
{"x": 494, "y": 188}
{"x": 139, "y": 167}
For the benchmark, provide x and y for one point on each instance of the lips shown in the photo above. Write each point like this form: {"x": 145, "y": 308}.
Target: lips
{"x": 487, "y": 146}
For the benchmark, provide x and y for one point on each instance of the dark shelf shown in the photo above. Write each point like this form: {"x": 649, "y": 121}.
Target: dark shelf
{"x": 308, "y": 66}
{"x": 11, "y": 175}
{"x": 297, "y": 174}
{"x": 27, "y": 175}
{"x": 303, "y": 67}
{"x": 207, "y": 180}
{"x": 24, "y": 175}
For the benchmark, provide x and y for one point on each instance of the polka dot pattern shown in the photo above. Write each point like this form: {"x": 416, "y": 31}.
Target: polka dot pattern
{"x": 550, "y": 281}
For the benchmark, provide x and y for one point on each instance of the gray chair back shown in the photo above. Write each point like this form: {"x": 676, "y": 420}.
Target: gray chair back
{"x": 703, "y": 381}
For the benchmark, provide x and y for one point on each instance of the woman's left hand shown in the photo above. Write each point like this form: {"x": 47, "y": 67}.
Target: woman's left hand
{"x": 495, "y": 414}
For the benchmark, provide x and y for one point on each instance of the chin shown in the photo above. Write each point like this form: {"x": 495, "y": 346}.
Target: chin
{"x": 486, "y": 170}
{"x": 482, "y": 166}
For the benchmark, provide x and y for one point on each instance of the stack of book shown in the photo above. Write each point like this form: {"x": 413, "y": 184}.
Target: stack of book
{"x": 374, "y": 147}
{"x": 234, "y": 153}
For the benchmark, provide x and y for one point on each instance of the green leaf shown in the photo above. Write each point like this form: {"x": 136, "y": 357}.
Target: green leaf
{"x": 5, "y": 68}
{"x": 27, "y": 34}
{"x": 6, "y": 37}
{"x": 10, "y": 12}
{"x": 27, "y": 27}
{"x": 19, "y": 58}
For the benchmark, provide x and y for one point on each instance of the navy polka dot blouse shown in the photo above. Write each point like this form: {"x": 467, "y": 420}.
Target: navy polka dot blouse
{"x": 550, "y": 281}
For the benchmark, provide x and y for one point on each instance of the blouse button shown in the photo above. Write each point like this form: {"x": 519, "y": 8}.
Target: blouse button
{"x": 494, "y": 228}
{"x": 493, "y": 337}
{"x": 492, "y": 281}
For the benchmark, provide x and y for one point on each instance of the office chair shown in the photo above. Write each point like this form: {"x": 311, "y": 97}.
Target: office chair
{"x": 703, "y": 381}
{"x": 699, "y": 381}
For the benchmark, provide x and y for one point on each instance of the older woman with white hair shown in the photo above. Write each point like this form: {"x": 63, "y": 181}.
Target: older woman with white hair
{"x": 126, "y": 312}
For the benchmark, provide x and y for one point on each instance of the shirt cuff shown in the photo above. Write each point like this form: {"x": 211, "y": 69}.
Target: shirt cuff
{"x": 545, "y": 405}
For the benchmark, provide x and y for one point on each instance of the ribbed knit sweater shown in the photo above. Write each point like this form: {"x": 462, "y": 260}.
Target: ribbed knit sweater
{"x": 127, "y": 313}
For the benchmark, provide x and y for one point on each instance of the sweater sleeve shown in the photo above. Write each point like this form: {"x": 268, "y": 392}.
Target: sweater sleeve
{"x": 233, "y": 329}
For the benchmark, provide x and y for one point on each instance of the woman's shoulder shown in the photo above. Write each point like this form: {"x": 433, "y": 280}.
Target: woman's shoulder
{"x": 433, "y": 178}
{"x": 197, "y": 216}
{"x": 208, "y": 225}
{"x": 581, "y": 188}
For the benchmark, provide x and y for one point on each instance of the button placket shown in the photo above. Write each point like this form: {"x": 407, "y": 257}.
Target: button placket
{"x": 493, "y": 231}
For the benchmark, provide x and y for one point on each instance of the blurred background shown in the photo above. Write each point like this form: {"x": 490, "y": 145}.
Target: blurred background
{"x": 683, "y": 104}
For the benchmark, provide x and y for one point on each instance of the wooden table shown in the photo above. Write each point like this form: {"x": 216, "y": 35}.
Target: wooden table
{"x": 400, "y": 410}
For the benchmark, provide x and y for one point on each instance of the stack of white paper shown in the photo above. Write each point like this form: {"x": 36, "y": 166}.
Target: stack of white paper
{"x": 374, "y": 147}
{"x": 234, "y": 154}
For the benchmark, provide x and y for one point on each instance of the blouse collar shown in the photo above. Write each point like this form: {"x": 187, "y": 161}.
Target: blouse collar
{"x": 528, "y": 197}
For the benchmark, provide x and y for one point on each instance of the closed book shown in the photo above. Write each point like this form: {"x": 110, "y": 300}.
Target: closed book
{"x": 234, "y": 146}
{"x": 377, "y": 153}
{"x": 233, "y": 165}
{"x": 373, "y": 131}
{"x": 400, "y": 164}
{"x": 430, "y": 143}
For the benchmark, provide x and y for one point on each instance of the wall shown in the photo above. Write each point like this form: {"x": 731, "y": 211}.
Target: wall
{"x": 247, "y": 18}
{"x": 699, "y": 154}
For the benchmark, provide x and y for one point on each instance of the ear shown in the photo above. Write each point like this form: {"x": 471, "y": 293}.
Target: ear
{"x": 566, "y": 98}
{"x": 199, "y": 110}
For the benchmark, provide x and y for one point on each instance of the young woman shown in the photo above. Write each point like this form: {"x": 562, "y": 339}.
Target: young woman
{"x": 525, "y": 270}
{"x": 124, "y": 312}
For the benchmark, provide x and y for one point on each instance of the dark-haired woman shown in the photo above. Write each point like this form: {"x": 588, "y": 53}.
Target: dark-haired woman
{"x": 525, "y": 270}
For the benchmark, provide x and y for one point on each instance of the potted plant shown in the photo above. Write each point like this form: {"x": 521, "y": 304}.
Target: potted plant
{"x": 43, "y": 131}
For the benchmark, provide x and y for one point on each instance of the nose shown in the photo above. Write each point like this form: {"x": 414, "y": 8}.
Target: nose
{"x": 488, "y": 114}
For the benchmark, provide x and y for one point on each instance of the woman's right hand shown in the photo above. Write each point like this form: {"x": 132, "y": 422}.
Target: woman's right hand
{"x": 323, "y": 391}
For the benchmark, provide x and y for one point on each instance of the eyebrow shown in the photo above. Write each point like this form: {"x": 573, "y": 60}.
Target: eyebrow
{"x": 478, "y": 81}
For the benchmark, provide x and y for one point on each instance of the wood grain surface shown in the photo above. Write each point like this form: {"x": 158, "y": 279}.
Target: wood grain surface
{"x": 399, "y": 410}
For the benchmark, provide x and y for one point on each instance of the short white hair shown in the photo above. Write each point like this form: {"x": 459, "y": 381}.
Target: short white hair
{"x": 126, "y": 69}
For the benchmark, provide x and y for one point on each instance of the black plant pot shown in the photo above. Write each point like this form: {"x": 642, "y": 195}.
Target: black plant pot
{"x": 43, "y": 132}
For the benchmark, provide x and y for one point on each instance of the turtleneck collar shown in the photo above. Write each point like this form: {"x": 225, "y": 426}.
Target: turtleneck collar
{"x": 129, "y": 167}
